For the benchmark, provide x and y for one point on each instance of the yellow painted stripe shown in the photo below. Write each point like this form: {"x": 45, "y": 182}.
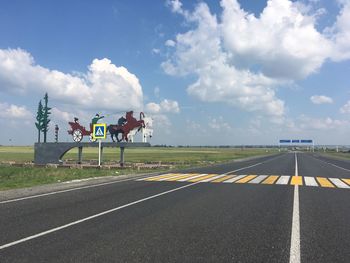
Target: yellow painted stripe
{"x": 324, "y": 182}
{"x": 154, "y": 178}
{"x": 202, "y": 178}
{"x": 246, "y": 179}
{"x": 219, "y": 180}
{"x": 180, "y": 177}
{"x": 346, "y": 181}
{"x": 296, "y": 180}
{"x": 271, "y": 179}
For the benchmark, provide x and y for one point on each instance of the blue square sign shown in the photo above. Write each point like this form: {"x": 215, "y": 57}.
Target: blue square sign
{"x": 99, "y": 131}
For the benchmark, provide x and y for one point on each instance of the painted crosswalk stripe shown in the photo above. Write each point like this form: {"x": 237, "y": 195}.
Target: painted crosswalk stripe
{"x": 221, "y": 179}
{"x": 310, "y": 181}
{"x": 339, "y": 183}
{"x": 201, "y": 178}
{"x": 271, "y": 179}
{"x": 284, "y": 179}
{"x": 212, "y": 178}
{"x": 258, "y": 179}
{"x": 157, "y": 178}
{"x": 183, "y": 176}
{"x": 234, "y": 179}
{"x": 346, "y": 181}
{"x": 324, "y": 182}
{"x": 296, "y": 180}
{"x": 245, "y": 179}
{"x": 154, "y": 177}
{"x": 192, "y": 177}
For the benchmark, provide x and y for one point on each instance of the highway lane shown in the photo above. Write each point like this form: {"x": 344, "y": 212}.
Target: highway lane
{"x": 324, "y": 213}
{"x": 205, "y": 222}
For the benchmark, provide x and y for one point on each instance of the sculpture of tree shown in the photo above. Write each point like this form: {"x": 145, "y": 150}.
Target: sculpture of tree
{"x": 46, "y": 113}
{"x": 39, "y": 118}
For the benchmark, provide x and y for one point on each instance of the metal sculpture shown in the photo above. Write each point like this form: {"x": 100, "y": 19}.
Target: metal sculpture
{"x": 78, "y": 131}
{"x": 124, "y": 127}
{"x": 129, "y": 124}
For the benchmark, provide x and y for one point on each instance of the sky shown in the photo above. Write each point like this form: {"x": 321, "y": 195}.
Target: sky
{"x": 209, "y": 72}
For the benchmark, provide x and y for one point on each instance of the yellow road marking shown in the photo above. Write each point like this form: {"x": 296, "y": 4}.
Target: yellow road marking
{"x": 346, "y": 181}
{"x": 324, "y": 182}
{"x": 183, "y": 176}
{"x": 246, "y": 179}
{"x": 154, "y": 178}
{"x": 201, "y": 178}
{"x": 296, "y": 180}
{"x": 270, "y": 180}
{"x": 219, "y": 180}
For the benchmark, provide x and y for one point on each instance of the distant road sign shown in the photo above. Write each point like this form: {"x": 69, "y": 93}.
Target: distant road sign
{"x": 284, "y": 141}
{"x": 306, "y": 141}
{"x": 99, "y": 131}
{"x": 295, "y": 141}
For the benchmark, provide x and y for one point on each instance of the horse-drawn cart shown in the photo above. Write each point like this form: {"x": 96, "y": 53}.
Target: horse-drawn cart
{"x": 78, "y": 131}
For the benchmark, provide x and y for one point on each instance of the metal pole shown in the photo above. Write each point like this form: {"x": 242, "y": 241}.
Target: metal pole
{"x": 122, "y": 156}
{"x": 99, "y": 152}
{"x": 80, "y": 154}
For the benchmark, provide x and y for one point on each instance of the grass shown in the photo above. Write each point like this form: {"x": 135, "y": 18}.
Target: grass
{"x": 18, "y": 177}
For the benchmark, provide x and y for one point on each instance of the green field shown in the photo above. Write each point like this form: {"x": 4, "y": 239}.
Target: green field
{"x": 17, "y": 177}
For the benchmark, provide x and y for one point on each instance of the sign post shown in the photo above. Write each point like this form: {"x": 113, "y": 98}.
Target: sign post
{"x": 99, "y": 133}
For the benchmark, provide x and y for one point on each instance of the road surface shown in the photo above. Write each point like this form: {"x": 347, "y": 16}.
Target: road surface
{"x": 290, "y": 207}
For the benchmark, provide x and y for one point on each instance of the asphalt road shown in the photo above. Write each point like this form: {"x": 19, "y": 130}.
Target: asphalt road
{"x": 293, "y": 207}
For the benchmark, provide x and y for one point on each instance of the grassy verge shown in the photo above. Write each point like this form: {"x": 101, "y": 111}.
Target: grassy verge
{"x": 19, "y": 177}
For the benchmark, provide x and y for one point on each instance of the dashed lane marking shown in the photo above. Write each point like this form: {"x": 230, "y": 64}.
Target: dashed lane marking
{"x": 342, "y": 183}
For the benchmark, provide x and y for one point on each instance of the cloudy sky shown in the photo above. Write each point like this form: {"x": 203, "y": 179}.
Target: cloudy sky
{"x": 208, "y": 72}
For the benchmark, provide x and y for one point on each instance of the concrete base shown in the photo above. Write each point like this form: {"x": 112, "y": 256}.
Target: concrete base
{"x": 52, "y": 152}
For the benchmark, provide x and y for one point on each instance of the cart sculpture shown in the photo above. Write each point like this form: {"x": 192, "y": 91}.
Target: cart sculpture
{"x": 78, "y": 131}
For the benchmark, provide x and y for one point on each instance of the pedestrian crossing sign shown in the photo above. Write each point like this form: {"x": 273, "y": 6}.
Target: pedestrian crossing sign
{"x": 99, "y": 131}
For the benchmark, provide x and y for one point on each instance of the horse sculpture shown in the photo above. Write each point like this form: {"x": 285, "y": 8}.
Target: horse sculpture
{"x": 131, "y": 123}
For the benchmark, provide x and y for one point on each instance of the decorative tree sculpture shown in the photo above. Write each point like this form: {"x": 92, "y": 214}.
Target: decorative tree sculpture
{"x": 46, "y": 113}
{"x": 39, "y": 118}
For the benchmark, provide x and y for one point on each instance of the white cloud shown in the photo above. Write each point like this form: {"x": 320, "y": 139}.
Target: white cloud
{"x": 307, "y": 123}
{"x": 170, "y": 43}
{"x": 155, "y": 50}
{"x": 103, "y": 86}
{"x": 165, "y": 106}
{"x": 241, "y": 59}
{"x": 219, "y": 124}
{"x": 340, "y": 33}
{"x": 200, "y": 52}
{"x": 345, "y": 108}
{"x": 321, "y": 99}
{"x": 11, "y": 112}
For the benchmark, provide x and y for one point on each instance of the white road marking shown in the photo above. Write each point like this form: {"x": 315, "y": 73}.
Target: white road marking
{"x": 190, "y": 178}
{"x": 284, "y": 179}
{"x": 234, "y": 179}
{"x": 94, "y": 216}
{"x": 294, "y": 256}
{"x": 91, "y": 217}
{"x": 258, "y": 179}
{"x": 212, "y": 178}
{"x": 310, "y": 181}
{"x": 339, "y": 183}
{"x": 65, "y": 191}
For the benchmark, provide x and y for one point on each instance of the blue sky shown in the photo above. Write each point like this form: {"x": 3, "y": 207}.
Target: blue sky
{"x": 208, "y": 72}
